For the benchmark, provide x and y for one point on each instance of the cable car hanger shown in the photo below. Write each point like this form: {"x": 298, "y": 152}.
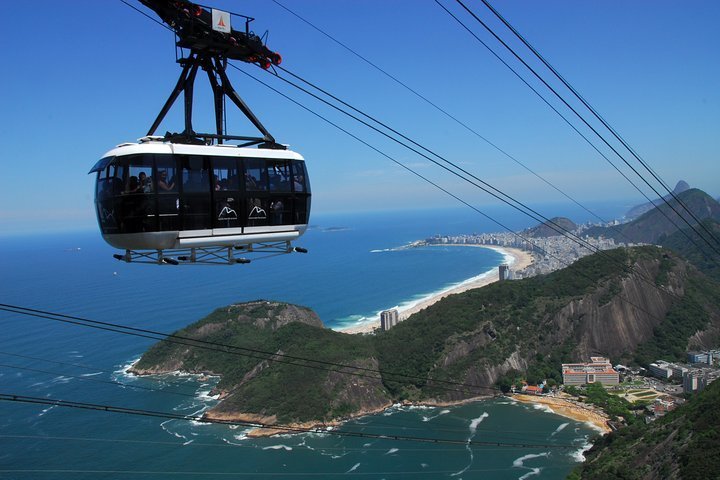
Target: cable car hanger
{"x": 211, "y": 41}
{"x": 188, "y": 198}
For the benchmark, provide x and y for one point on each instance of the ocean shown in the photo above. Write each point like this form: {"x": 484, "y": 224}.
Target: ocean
{"x": 356, "y": 267}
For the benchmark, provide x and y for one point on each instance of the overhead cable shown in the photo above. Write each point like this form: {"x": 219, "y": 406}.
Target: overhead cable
{"x": 594, "y": 130}
{"x": 599, "y": 117}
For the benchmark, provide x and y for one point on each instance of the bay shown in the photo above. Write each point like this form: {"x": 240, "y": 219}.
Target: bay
{"x": 355, "y": 267}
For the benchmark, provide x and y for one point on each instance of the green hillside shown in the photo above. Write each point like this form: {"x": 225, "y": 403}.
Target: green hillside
{"x": 482, "y": 337}
{"x": 684, "y": 444}
{"x": 697, "y": 251}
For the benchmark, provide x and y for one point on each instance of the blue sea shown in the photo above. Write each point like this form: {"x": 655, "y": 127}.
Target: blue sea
{"x": 355, "y": 268}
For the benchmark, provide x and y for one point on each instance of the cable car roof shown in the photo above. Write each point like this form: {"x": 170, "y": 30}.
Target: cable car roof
{"x": 156, "y": 145}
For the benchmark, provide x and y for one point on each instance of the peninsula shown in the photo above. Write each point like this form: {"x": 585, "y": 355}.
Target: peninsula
{"x": 279, "y": 365}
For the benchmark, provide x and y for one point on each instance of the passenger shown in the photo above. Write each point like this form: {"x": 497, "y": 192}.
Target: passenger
{"x": 145, "y": 183}
{"x": 277, "y": 209}
{"x": 162, "y": 182}
{"x": 250, "y": 182}
{"x": 133, "y": 185}
{"x": 299, "y": 183}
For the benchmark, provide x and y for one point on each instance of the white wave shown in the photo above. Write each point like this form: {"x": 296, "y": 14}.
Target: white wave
{"x": 520, "y": 462}
{"x": 475, "y": 422}
{"x": 366, "y": 445}
{"x": 424, "y": 465}
{"x": 544, "y": 408}
{"x": 46, "y": 410}
{"x": 91, "y": 374}
{"x": 61, "y": 380}
{"x": 578, "y": 455}
{"x": 231, "y": 443}
{"x": 559, "y": 429}
{"x": 533, "y": 471}
{"x": 278, "y": 447}
{"x": 189, "y": 442}
{"x": 122, "y": 370}
{"x": 392, "y": 450}
{"x": 473, "y": 430}
{"x": 353, "y": 468}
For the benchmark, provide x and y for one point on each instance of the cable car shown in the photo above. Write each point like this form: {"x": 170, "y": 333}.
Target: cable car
{"x": 190, "y": 197}
{"x": 199, "y": 202}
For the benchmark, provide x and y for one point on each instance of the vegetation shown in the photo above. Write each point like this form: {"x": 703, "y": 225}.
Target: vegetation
{"x": 685, "y": 444}
{"x": 687, "y": 316}
{"x": 500, "y": 333}
{"x": 617, "y": 408}
{"x": 696, "y": 251}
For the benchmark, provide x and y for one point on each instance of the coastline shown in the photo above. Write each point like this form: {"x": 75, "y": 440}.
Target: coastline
{"x": 568, "y": 407}
{"x": 266, "y": 425}
{"x": 517, "y": 259}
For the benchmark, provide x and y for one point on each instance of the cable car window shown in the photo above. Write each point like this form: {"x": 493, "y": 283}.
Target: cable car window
{"x": 256, "y": 177}
{"x": 299, "y": 177}
{"x": 138, "y": 205}
{"x": 228, "y": 200}
{"x": 302, "y": 207}
{"x": 109, "y": 186}
{"x": 195, "y": 197}
{"x": 225, "y": 174}
{"x": 279, "y": 175}
{"x": 168, "y": 200}
{"x": 281, "y": 211}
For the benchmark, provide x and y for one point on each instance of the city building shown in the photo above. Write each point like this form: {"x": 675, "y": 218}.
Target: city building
{"x": 388, "y": 319}
{"x": 599, "y": 370}
{"x": 661, "y": 369}
{"x": 698, "y": 357}
{"x": 504, "y": 272}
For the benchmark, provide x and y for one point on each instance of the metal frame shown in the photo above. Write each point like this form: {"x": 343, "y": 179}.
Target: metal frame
{"x": 214, "y": 66}
{"x": 224, "y": 255}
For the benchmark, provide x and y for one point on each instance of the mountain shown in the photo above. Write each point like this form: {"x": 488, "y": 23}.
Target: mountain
{"x": 657, "y": 224}
{"x": 684, "y": 444}
{"x": 260, "y": 380}
{"x": 551, "y": 227}
{"x": 604, "y": 304}
{"x": 697, "y": 251}
{"x": 638, "y": 210}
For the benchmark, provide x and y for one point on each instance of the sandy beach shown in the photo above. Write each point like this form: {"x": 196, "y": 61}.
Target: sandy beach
{"x": 517, "y": 260}
{"x": 570, "y": 408}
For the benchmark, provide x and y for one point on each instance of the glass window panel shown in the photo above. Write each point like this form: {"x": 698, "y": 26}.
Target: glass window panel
{"x": 256, "y": 176}
{"x": 299, "y": 183}
{"x": 168, "y": 200}
{"x": 279, "y": 175}
{"x": 225, "y": 174}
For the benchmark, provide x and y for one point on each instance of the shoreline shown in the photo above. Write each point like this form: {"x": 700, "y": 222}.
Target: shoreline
{"x": 568, "y": 407}
{"x": 517, "y": 259}
{"x": 270, "y": 430}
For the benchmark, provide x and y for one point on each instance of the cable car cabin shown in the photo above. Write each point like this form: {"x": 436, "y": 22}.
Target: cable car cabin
{"x": 168, "y": 203}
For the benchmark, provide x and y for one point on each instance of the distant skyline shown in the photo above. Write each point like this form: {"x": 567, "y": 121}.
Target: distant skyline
{"x": 83, "y": 76}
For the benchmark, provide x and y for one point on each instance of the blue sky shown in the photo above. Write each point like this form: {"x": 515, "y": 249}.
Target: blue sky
{"x": 82, "y": 76}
